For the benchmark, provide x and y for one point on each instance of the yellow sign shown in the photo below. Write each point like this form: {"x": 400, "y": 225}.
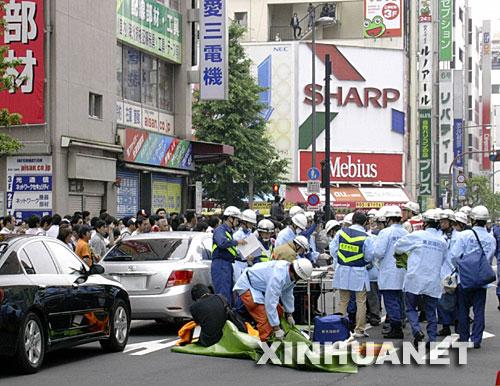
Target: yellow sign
{"x": 167, "y": 195}
{"x": 366, "y": 205}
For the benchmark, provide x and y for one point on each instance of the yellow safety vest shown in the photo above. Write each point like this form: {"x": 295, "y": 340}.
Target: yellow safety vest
{"x": 232, "y": 250}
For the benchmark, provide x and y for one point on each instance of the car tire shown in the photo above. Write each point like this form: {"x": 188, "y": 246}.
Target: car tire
{"x": 119, "y": 328}
{"x": 30, "y": 345}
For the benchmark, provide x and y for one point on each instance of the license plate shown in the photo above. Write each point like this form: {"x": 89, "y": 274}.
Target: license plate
{"x": 134, "y": 282}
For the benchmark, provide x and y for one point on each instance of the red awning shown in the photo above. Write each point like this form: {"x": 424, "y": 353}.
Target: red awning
{"x": 351, "y": 197}
{"x": 209, "y": 152}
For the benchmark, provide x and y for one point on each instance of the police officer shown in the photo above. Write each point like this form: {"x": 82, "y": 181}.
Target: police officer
{"x": 390, "y": 277}
{"x": 265, "y": 229}
{"x": 426, "y": 251}
{"x": 466, "y": 247}
{"x": 446, "y": 310}
{"x": 224, "y": 252}
{"x": 352, "y": 249}
{"x": 412, "y": 218}
{"x": 299, "y": 223}
{"x": 461, "y": 221}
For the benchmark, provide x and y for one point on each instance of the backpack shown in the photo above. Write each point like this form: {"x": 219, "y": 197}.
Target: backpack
{"x": 331, "y": 328}
{"x": 475, "y": 270}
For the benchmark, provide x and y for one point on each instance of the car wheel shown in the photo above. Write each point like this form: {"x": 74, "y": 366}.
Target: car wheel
{"x": 30, "y": 345}
{"x": 119, "y": 329}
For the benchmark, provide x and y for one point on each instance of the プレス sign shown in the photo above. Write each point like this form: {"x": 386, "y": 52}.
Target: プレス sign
{"x": 150, "y": 26}
{"x": 425, "y": 156}
{"x": 445, "y": 30}
{"x": 214, "y": 75}
{"x": 24, "y": 35}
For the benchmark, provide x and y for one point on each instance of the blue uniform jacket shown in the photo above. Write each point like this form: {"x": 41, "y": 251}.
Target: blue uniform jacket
{"x": 467, "y": 244}
{"x": 390, "y": 277}
{"x": 352, "y": 278}
{"x": 220, "y": 238}
{"x": 269, "y": 282}
{"x": 284, "y": 236}
{"x": 450, "y": 240}
{"x": 426, "y": 256}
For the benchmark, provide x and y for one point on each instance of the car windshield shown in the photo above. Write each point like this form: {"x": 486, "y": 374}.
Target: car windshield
{"x": 149, "y": 250}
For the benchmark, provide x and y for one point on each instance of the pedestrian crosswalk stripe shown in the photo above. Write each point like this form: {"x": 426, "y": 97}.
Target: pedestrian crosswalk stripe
{"x": 148, "y": 347}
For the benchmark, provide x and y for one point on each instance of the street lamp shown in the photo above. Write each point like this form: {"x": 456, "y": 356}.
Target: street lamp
{"x": 322, "y": 21}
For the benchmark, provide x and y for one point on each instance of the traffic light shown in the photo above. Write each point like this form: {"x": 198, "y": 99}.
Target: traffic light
{"x": 495, "y": 157}
{"x": 276, "y": 189}
{"x": 325, "y": 174}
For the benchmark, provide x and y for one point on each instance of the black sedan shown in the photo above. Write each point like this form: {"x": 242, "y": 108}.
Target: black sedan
{"x": 49, "y": 299}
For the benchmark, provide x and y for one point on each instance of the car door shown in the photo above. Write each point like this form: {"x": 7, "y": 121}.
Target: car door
{"x": 88, "y": 306}
{"x": 53, "y": 289}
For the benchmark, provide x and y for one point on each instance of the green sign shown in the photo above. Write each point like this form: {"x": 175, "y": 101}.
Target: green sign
{"x": 425, "y": 152}
{"x": 150, "y": 26}
{"x": 445, "y": 30}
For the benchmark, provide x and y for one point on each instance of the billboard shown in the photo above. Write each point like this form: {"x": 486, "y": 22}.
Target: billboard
{"x": 150, "y": 26}
{"x": 445, "y": 30}
{"x": 383, "y": 19}
{"x": 445, "y": 120}
{"x": 425, "y": 155}
{"x": 426, "y": 55}
{"x": 149, "y": 148}
{"x": 486, "y": 94}
{"x": 29, "y": 186}
{"x": 24, "y": 35}
{"x": 357, "y": 167}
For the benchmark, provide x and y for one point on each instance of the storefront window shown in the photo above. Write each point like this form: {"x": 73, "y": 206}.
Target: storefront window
{"x": 149, "y": 80}
{"x": 166, "y": 83}
{"x": 132, "y": 74}
{"x": 119, "y": 71}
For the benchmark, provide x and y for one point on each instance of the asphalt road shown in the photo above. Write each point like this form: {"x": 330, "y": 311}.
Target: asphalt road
{"x": 149, "y": 361}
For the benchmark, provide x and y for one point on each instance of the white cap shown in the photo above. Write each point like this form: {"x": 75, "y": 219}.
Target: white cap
{"x": 265, "y": 226}
{"x": 448, "y": 214}
{"x": 331, "y": 224}
{"x": 461, "y": 217}
{"x": 480, "y": 213}
{"x": 296, "y": 210}
{"x": 465, "y": 209}
{"x": 232, "y": 211}
{"x": 372, "y": 213}
{"x": 300, "y": 220}
{"x": 432, "y": 215}
{"x": 303, "y": 268}
{"x": 302, "y": 242}
{"x": 249, "y": 215}
{"x": 393, "y": 211}
{"x": 348, "y": 218}
{"x": 381, "y": 214}
{"x": 413, "y": 206}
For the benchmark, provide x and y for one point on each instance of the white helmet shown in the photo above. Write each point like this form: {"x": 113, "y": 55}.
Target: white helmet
{"x": 380, "y": 217}
{"x": 300, "y": 220}
{"x": 265, "y": 226}
{"x": 465, "y": 209}
{"x": 372, "y": 213}
{"x": 348, "y": 218}
{"x": 302, "y": 242}
{"x": 232, "y": 211}
{"x": 393, "y": 211}
{"x": 461, "y": 217}
{"x": 331, "y": 224}
{"x": 448, "y": 214}
{"x": 480, "y": 213}
{"x": 303, "y": 268}
{"x": 249, "y": 215}
{"x": 431, "y": 215}
{"x": 413, "y": 206}
{"x": 296, "y": 210}
{"x": 309, "y": 215}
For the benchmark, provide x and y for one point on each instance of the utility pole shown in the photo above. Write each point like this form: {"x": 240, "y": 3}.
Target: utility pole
{"x": 328, "y": 73}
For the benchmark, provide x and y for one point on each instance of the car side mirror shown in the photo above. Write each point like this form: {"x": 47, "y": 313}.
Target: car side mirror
{"x": 96, "y": 269}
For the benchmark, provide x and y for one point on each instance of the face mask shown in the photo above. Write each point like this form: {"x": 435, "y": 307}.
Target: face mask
{"x": 266, "y": 240}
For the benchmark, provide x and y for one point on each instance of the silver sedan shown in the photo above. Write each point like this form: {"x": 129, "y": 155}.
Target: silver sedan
{"x": 159, "y": 269}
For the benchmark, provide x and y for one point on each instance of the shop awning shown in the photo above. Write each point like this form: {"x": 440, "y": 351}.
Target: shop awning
{"x": 351, "y": 197}
{"x": 209, "y": 152}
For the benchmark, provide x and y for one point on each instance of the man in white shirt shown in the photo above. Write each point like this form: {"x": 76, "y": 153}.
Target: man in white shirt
{"x": 8, "y": 225}
{"x": 54, "y": 228}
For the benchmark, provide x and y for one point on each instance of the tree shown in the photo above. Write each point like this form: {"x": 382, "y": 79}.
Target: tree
{"x": 479, "y": 193}
{"x": 8, "y": 144}
{"x": 256, "y": 164}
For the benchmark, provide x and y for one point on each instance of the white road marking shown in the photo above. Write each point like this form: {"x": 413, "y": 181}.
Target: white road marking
{"x": 143, "y": 348}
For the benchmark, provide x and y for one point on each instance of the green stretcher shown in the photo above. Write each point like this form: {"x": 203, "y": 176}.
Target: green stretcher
{"x": 235, "y": 344}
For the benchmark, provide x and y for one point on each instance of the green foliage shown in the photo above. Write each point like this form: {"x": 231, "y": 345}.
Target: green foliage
{"x": 8, "y": 144}
{"x": 237, "y": 122}
{"x": 479, "y": 192}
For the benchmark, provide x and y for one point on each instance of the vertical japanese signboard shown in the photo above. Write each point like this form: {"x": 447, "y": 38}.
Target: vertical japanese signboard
{"x": 445, "y": 30}
{"x": 383, "y": 19}
{"x": 458, "y": 138}
{"x": 214, "y": 75}
{"x": 486, "y": 94}
{"x": 150, "y": 26}
{"x": 24, "y": 35}
{"x": 425, "y": 155}
{"x": 425, "y": 46}
{"x": 445, "y": 120}
{"x": 29, "y": 186}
